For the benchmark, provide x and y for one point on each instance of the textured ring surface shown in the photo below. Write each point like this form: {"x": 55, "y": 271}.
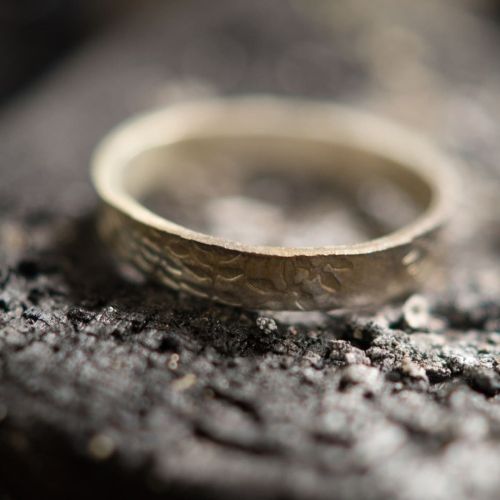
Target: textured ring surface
{"x": 265, "y": 277}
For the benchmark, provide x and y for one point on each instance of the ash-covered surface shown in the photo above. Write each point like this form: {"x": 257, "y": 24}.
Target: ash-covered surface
{"x": 113, "y": 386}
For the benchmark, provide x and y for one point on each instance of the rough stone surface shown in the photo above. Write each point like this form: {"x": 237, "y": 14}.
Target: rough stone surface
{"x": 112, "y": 385}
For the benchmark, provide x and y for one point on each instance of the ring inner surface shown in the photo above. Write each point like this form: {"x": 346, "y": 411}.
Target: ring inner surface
{"x": 277, "y": 191}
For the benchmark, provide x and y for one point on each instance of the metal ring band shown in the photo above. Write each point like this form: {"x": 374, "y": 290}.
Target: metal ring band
{"x": 264, "y": 277}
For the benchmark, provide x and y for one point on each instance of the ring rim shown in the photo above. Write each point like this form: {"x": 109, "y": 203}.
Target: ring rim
{"x": 435, "y": 215}
{"x": 272, "y": 277}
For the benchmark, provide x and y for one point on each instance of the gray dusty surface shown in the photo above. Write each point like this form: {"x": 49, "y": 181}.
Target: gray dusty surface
{"x": 113, "y": 386}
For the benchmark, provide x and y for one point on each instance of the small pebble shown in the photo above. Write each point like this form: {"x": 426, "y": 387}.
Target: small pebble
{"x": 173, "y": 361}
{"x": 101, "y": 446}
{"x": 267, "y": 325}
{"x": 416, "y": 312}
{"x": 408, "y": 367}
{"x": 184, "y": 383}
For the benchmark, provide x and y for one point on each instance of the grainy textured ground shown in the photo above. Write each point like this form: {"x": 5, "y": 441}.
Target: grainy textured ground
{"x": 112, "y": 386}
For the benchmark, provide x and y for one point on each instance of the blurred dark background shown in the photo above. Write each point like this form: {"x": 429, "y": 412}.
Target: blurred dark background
{"x": 35, "y": 35}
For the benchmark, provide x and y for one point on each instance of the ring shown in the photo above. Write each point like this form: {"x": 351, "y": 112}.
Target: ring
{"x": 341, "y": 145}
